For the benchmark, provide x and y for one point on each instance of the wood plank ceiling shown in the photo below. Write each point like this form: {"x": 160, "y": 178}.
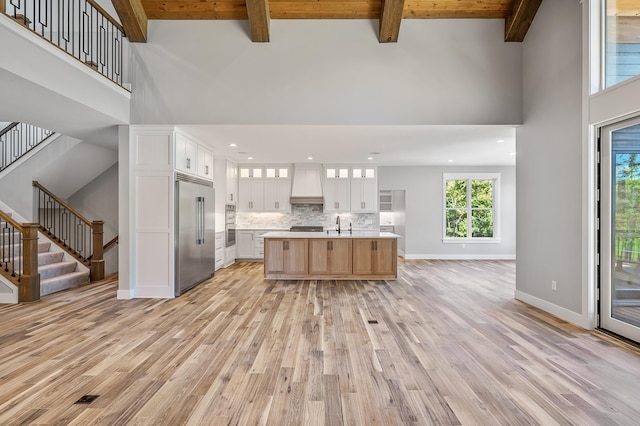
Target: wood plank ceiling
{"x": 518, "y": 14}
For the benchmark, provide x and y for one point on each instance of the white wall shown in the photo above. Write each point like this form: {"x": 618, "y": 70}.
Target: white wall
{"x": 424, "y": 212}
{"x": 98, "y": 200}
{"x": 327, "y": 72}
{"x": 16, "y": 190}
{"x": 549, "y": 163}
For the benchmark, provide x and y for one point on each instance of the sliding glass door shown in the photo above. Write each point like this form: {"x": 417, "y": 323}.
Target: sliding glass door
{"x": 620, "y": 229}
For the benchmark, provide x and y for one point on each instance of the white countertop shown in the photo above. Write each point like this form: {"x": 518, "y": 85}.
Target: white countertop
{"x": 331, "y": 234}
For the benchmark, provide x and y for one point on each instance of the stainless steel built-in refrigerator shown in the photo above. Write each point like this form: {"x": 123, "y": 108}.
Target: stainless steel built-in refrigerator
{"x": 195, "y": 233}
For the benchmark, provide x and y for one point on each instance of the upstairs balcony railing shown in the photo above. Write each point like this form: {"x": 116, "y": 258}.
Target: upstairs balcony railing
{"x": 17, "y": 139}
{"x": 79, "y": 27}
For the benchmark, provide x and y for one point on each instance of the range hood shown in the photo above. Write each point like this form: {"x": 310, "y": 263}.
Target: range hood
{"x": 307, "y": 184}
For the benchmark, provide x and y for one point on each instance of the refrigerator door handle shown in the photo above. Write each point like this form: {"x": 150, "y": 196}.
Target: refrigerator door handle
{"x": 199, "y": 213}
{"x": 202, "y": 216}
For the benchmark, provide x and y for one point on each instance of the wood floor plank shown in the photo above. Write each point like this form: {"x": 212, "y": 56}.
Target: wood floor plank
{"x": 445, "y": 344}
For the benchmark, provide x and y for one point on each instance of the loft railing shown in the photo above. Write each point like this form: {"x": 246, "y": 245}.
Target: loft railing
{"x": 17, "y": 139}
{"x": 70, "y": 230}
{"x": 79, "y": 27}
{"x": 19, "y": 256}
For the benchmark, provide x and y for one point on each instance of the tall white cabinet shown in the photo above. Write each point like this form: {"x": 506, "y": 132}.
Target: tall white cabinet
{"x": 350, "y": 189}
{"x": 149, "y": 158}
{"x": 264, "y": 188}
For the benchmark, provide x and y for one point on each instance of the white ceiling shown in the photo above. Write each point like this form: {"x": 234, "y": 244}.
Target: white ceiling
{"x": 396, "y": 145}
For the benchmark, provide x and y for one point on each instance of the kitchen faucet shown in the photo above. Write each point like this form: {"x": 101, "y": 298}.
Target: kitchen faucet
{"x": 338, "y": 223}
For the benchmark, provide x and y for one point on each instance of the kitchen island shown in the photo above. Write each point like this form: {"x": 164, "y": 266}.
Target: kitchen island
{"x": 369, "y": 255}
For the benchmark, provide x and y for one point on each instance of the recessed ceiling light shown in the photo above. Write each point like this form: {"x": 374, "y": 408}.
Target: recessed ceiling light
{"x": 232, "y": 145}
{"x": 309, "y": 158}
{"x": 369, "y": 158}
{"x": 500, "y": 140}
{"x": 249, "y": 158}
{"x": 512, "y": 153}
{"x": 450, "y": 161}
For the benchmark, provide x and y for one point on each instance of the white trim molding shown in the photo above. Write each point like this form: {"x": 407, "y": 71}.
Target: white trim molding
{"x": 558, "y": 311}
{"x": 126, "y": 294}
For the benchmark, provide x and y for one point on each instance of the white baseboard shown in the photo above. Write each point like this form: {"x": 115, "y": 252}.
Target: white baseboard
{"x": 125, "y": 294}
{"x": 11, "y": 298}
{"x": 553, "y": 309}
{"x": 460, "y": 257}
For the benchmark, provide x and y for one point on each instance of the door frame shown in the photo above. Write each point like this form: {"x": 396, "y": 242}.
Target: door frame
{"x": 605, "y": 240}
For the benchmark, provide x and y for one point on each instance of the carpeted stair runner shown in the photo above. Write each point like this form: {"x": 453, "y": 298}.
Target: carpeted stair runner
{"x": 55, "y": 273}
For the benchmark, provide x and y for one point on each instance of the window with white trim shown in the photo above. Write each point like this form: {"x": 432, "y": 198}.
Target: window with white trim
{"x": 471, "y": 203}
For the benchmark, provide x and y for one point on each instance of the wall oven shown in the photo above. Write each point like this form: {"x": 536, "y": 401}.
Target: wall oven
{"x": 230, "y": 225}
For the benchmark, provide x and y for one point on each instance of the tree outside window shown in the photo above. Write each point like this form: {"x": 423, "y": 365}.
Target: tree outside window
{"x": 470, "y": 203}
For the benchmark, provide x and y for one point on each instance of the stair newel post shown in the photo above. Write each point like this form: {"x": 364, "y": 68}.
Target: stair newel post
{"x": 97, "y": 257}
{"x": 29, "y": 289}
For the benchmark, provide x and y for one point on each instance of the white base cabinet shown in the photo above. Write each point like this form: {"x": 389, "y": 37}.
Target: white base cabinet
{"x": 250, "y": 243}
{"x": 244, "y": 244}
{"x": 219, "y": 250}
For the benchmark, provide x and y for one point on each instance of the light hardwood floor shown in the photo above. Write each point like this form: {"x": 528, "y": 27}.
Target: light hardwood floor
{"x": 444, "y": 344}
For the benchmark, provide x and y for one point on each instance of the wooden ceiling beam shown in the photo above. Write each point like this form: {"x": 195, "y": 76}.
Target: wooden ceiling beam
{"x": 390, "y": 19}
{"x": 258, "y": 13}
{"x": 519, "y": 20}
{"x": 133, "y": 18}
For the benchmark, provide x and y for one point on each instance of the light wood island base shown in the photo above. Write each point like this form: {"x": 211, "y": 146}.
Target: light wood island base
{"x": 319, "y": 258}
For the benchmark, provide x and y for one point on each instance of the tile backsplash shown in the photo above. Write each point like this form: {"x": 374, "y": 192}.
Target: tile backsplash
{"x": 306, "y": 215}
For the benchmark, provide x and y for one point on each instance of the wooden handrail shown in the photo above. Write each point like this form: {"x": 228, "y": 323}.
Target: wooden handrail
{"x": 12, "y": 125}
{"x": 111, "y": 243}
{"x": 10, "y": 221}
{"x": 62, "y": 203}
{"x": 106, "y": 15}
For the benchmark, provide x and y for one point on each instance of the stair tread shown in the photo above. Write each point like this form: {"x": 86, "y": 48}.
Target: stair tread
{"x": 65, "y": 276}
{"x": 49, "y": 257}
{"x": 55, "y": 265}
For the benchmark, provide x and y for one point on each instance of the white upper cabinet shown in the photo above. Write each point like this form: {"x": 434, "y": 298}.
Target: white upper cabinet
{"x": 232, "y": 183}
{"x": 186, "y": 154}
{"x": 251, "y": 195}
{"x": 336, "y": 188}
{"x": 350, "y": 189}
{"x": 276, "y": 195}
{"x": 264, "y": 188}
{"x": 336, "y": 195}
{"x": 193, "y": 158}
{"x": 205, "y": 163}
{"x": 364, "y": 196}
{"x": 364, "y": 189}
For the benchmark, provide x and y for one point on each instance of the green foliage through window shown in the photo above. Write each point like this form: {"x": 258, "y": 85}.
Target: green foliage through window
{"x": 469, "y": 208}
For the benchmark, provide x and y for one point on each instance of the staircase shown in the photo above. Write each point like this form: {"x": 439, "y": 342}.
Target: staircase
{"x": 56, "y": 271}
{"x": 56, "y": 274}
